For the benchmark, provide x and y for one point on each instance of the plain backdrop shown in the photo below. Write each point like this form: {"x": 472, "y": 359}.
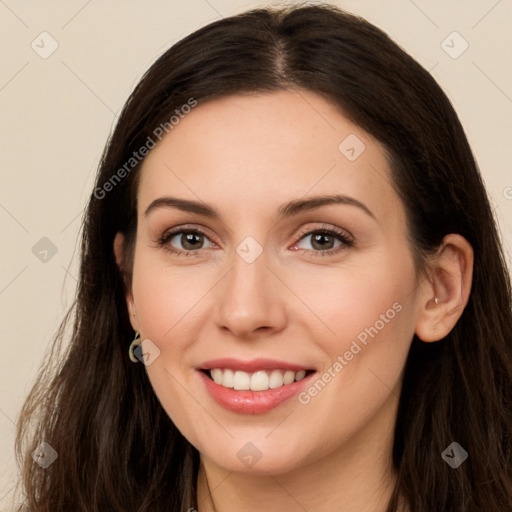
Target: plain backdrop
{"x": 57, "y": 110}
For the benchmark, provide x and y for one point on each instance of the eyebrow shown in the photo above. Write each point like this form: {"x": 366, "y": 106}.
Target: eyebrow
{"x": 286, "y": 210}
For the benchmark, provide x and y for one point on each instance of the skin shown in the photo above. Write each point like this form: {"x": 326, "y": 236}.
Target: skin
{"x": 245, "y": 156}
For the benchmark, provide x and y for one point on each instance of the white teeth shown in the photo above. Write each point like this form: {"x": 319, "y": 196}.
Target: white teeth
{"x": 276, "y": 379}
{"x": 241, "y": 381}
{"x": 227, "y": 378}
{"x": 257, "y": 381}
{"x": 289, "y": 377}
{"x": 216, "y": 374}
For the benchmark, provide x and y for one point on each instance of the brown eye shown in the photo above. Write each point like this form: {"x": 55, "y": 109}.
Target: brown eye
{"x": 322, "y": 241}
{"x": 185, "y": 241}
{"x": 190, "y": 241}
{"x": 326, "y": 241}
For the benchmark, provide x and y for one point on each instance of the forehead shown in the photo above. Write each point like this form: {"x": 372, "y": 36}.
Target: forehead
{"x": 246, "y": 150}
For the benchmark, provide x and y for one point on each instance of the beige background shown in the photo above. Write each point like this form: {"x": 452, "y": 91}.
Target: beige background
{"x": 56, "y": 114}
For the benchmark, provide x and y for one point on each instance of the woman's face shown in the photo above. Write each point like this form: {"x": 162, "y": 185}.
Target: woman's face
{"x": 242, "y": 254}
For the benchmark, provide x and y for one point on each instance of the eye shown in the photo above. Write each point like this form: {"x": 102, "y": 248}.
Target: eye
{"x": 325, "y": 241}
{"x": 185, "y": 241}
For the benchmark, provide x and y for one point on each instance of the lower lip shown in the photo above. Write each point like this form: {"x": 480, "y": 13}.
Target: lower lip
{"x": 252, "y": 402}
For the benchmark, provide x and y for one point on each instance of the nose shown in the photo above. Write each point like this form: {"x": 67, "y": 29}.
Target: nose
{"x": 251, "y": 299}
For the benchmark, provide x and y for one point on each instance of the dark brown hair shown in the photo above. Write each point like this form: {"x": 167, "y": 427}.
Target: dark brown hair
{"x": 117, "y": 448}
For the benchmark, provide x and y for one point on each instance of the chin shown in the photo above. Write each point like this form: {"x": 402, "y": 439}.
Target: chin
{"x": 257, "y": 458}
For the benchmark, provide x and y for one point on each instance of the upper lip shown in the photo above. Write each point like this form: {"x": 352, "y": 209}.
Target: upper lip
{"x": 252, "y": 365}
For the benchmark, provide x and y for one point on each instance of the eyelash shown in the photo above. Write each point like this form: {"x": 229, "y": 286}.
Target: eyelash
{"x": 342, "y": 236}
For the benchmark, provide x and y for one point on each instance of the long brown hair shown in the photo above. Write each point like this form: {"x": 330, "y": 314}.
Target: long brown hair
{"x": 117, "y": 448}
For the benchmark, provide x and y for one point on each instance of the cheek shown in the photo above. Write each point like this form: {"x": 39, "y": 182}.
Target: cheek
{"x": 165, "y": 304}
{"x": 367, "y": 315}
{"x": 165, "y": 297}
{"x": 168, "y": 301}
{"x": 359, "y": 302}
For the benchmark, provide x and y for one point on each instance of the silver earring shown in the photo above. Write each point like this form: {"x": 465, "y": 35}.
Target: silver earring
{"x": 133, "y": 345}
{"x": 436, "y": 300}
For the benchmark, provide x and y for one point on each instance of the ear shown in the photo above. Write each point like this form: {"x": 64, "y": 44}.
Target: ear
{"x": 451, "y": 275}
{"x": 130, "y": 303}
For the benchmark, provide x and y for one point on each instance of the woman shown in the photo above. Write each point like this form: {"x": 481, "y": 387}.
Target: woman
{"x": 289, "y": 224}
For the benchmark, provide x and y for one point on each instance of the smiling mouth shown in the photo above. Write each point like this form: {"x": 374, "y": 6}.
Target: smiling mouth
{"x": 261, "y": 380}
